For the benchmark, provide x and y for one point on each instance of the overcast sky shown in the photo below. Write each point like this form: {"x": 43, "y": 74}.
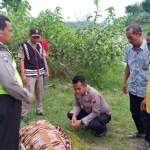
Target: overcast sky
{"x": 79, "y": 8}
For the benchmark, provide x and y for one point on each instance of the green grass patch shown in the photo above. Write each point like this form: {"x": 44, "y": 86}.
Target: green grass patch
{"x": 111, "y": 77}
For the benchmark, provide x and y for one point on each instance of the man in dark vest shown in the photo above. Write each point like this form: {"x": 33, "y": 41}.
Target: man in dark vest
{"x": 32, "y": 63}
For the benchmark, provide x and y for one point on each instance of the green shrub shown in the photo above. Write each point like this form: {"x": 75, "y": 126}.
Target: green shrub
{"x": 89, "y": 47}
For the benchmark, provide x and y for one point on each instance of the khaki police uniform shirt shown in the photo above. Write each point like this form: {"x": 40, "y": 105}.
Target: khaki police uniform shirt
{"x": 92, "y": 102}
{"x": 8, "y": 79}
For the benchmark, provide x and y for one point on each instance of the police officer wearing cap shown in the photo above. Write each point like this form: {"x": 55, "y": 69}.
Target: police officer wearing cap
{"x": 90, "y": 109}
{"x": 32, "y": 64}
{"x": 11, "y": 92}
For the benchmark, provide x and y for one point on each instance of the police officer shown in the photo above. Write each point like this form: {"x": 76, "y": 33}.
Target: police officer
{"x": 90, "y": 108}
{"x": 32, "y": 63}
{"x": 11, "y": 92}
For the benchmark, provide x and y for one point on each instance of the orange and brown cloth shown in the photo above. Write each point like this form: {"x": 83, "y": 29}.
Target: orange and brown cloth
{"x": 41, "y": 135}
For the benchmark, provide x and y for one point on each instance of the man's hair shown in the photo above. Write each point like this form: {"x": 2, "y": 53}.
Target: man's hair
{"x": 3, "y": 20}
{"x": 136, "y": 28}
{"x": 148, "y": 34}
{"x": 77, "y": 79}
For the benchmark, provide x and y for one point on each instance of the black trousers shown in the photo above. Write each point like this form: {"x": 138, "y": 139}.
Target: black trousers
{"x": 98, "y": 124}
{"x": 147, "y": 134}
{"x": 10, "y": 114}
{"x": 138, "y": 116}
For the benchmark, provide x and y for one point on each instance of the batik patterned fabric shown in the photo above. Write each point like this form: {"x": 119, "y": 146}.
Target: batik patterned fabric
{"x": 41, "y": 135}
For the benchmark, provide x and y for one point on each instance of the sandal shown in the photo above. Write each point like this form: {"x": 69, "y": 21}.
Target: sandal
{"x": 135, "y": 135}
{"x": 143, "y": 145}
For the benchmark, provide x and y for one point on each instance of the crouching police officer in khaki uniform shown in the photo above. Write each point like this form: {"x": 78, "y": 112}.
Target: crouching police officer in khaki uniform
{"x": 90, "y": 108}
{"x": 11, "y": 92}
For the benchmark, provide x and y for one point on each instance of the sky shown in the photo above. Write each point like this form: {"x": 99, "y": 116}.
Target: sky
{"x": 78, "y": 9}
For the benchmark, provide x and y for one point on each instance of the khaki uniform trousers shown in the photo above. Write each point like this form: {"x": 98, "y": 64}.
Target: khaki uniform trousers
{"x": 34, "y": 84}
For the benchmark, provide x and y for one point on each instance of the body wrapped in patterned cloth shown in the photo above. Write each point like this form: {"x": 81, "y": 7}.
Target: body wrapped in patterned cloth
{"x": 41, "y": 135}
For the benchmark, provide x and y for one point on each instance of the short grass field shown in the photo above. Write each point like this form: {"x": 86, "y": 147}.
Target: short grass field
{"x": 58, "y": 100}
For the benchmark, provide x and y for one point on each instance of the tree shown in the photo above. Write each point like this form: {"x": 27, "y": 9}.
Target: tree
{"x": 10, "y": 4}
{"x": 133, "y": 9}
{"x": 143, "y": 17}
{"x": 146, "y": 6}
{"x": 128, "y": 9}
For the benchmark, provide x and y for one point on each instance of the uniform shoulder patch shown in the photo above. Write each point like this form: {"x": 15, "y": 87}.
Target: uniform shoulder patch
{"x": 20, "y": 51}
{"x": 93, "y": 99}
{"x": 5, "y": 58}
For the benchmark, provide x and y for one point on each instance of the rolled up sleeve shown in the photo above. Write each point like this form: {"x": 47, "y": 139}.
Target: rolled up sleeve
{"x": 125, "y": 59}
{"x": 21, "y": 52}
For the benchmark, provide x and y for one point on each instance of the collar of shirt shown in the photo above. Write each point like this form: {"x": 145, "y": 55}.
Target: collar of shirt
{"x": 142, "y": 47}
{"x": 34, "y": 45}
{"x": 1, "y": 43}
{"x": 87, "y": 90}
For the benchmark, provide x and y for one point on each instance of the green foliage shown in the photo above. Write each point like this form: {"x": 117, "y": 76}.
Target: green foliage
{"x": 128, "y": 9}
{"x": 145, "y": 29}
{"x": 10, "y": 4}
{"x": 133, "y": 9}
{"x": 96, "y": 2}
{"x": 146, "y": 5}
{"x": 138, "y": 13}
{"x": 73, "y": 50}
{"x": 143, "y": 17}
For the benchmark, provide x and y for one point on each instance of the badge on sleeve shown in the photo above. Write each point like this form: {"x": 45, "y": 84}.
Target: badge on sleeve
{"x": 5, "y": 58}
{"x": 21, "y": 51}
{"x": 93, "y": 99}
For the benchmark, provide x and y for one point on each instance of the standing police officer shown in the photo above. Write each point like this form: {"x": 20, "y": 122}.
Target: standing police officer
{"x": 11, "y": 92}
{"x": 32, "y": 63}
{"x": 95, "y": 112}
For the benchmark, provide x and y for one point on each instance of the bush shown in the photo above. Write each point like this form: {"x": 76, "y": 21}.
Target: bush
{"x": 73, "y": 50}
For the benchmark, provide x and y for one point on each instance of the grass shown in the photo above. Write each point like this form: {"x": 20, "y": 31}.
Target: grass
{"x": 58, "y": 100}
{"x": 145, "y": 29}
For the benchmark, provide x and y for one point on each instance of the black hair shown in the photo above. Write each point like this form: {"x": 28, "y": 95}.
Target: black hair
{"x": 136, "y": 28}
{"x": 77, "y": 79}
{"x": 148, "y": 34}
{"x": 3, "y": 20}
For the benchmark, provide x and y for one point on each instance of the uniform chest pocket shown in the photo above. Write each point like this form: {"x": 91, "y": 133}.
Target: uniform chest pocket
{"x": 144, "y": 62}
{"x": 88, "y": 103}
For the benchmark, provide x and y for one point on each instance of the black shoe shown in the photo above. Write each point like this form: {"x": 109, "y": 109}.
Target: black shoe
{"x": 100, "y": 134}
{"x": 25, "y": 119}
{"x": 40, "y": 114}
